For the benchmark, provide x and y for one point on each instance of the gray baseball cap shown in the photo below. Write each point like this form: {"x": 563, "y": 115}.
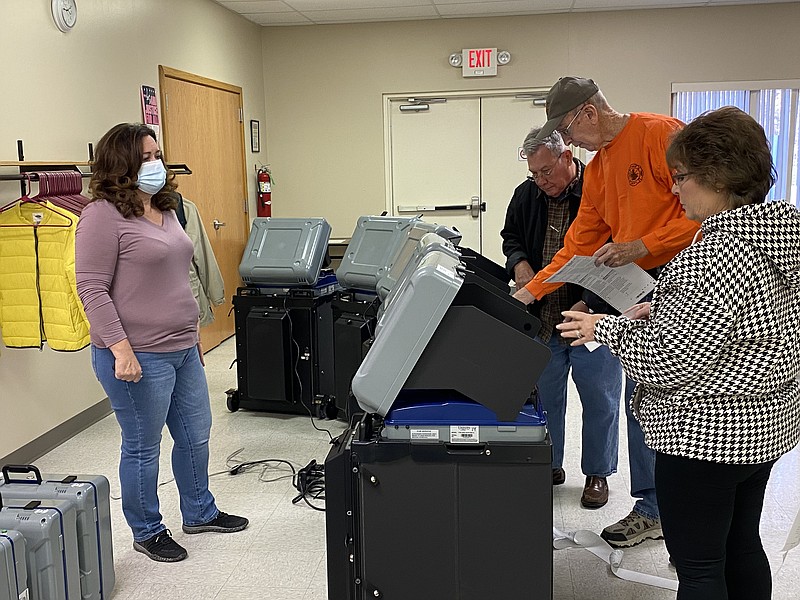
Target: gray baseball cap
{"x": 567, "y": 94}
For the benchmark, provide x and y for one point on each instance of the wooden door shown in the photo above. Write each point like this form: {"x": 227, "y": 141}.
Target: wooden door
{"x": 203, "y": 128}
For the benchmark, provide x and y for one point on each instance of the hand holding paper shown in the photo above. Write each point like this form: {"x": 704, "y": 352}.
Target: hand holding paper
{"x": 621, "y": 287}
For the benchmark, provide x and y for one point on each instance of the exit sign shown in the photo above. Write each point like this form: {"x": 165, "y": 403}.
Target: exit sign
{"x": 479, "y": 62}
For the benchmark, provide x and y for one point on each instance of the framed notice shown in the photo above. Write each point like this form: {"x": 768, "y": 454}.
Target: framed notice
{"x": 150, "y": 107}
{"x": 255, "y": 136}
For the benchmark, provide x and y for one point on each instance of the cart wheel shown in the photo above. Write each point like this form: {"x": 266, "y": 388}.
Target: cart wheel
{"x": 232, "y": 400}
{"x": 331, "y": 412}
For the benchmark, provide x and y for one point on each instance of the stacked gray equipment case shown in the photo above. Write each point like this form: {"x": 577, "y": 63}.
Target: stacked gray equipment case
{"x": 13, "y": 570}
{"x": 283, "y": 317}
{"x": 51, "y": 546}
{"x": 412, "y": 511}
{"x": 89, "y": 495}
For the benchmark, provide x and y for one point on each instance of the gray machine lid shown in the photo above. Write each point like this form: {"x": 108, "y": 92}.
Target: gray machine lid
{"x": 375, "y": 243}
{"x": 285, "y": 251}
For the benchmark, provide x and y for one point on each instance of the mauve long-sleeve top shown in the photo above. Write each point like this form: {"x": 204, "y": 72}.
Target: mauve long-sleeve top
{"x": 133, "y": 280}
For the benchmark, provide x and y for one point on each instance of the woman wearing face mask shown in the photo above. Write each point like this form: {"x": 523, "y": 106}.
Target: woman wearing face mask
{"x": 132, "y": 266}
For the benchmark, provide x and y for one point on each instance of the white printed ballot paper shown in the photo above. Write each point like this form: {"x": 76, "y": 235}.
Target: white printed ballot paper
{"x": 621, "y": 287}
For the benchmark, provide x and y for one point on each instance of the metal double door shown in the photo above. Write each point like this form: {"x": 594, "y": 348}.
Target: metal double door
{"x": 455, "y": 159}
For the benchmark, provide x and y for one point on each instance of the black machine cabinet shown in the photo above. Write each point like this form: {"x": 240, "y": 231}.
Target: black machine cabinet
{"x": 284, "y": 351}
{"x": 353, "y": 328}
{"x": 435, "y": 521}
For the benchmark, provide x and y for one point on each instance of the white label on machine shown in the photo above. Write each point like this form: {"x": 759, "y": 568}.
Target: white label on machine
{"x": 464, "y": 434}
{"x": 425, "y": 434}
{"x": 24, "y": 595}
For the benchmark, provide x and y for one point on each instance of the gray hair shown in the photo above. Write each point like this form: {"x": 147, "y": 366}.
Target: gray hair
{"x": 552, "y": 142}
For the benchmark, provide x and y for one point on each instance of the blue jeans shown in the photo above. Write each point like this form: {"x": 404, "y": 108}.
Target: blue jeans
{"x": 598, "y": 378}
{"x": 642, "y": 461}
{"x": 172, "y": 391}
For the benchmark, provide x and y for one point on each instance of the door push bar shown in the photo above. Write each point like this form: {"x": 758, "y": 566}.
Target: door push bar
{"x": 475, "y": 207}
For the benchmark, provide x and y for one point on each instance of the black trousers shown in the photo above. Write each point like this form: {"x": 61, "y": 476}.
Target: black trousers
{"x": 710, "y": 515}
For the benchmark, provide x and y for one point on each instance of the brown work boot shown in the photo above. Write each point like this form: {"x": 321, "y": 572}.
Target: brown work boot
{"x": 595, "y": 492}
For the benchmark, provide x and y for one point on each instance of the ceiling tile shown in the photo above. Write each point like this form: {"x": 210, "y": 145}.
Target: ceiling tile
{"x": 249, "y": 7}
{"x": 502, "y": 7}
{"x": 307, "y": 5}
{"x": 587, "y": 5}
{"x": 374, "y": 14}
{"x": 276, "y": 18}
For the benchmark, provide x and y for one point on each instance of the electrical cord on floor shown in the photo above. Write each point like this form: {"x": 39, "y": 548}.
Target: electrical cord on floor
{"x": 296, "y": 373}
{"x": 234, "y": 468}
{"x": 171, "y": 479}
{"x": 310, "y": 483}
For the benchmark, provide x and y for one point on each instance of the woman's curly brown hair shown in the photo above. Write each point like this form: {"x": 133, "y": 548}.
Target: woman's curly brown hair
{"x": 118, "y": 158}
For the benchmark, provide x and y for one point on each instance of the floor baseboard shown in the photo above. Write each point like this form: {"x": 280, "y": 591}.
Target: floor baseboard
{"x": 58, "y": 435}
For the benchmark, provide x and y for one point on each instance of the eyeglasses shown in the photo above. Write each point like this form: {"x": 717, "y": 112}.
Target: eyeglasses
{"x": 679, "y": 178}
{"x": 545, "y": 173}
{"x": 565, "y": 131}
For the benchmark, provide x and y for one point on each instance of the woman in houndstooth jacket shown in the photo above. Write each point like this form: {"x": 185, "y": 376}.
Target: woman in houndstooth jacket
{"x": 717, "y": 353}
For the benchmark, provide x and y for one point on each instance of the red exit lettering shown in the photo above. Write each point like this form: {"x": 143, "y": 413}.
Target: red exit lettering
{"x": 480, "y": 58}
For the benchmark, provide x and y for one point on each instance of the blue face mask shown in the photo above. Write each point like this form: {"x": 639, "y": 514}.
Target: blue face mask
{"x": 152, "y": 177}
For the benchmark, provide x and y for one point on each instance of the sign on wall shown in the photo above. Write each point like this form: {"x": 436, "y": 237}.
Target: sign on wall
{"x": 479, "y": 62}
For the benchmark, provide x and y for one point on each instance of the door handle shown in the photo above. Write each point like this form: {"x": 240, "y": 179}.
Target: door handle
{"x": 217, "y": 224}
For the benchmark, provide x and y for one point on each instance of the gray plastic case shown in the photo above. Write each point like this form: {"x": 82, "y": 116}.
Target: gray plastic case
{"x": 90, "y": 495}
{"x": 406, "y": 327}
{"x": 286, "y": 252}
{"x": 421, "y": 237}
{"x": 375, "y": 243}
{"x": 13, "y": 571}
{"x": 51, "y": 548}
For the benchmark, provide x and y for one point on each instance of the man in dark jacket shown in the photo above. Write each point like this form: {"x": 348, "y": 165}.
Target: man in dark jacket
{"x": 538, "y": 216}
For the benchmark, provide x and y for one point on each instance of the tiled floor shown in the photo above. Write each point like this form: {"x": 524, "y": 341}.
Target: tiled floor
{"x": 281, "y": 556}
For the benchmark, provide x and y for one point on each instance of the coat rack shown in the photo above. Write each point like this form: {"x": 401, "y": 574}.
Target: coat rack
{"x": 28, "y": 169}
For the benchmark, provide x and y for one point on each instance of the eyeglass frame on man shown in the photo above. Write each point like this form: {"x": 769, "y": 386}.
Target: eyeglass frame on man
{"x": 564, "y": 132}
{"x": 545, "y": 173}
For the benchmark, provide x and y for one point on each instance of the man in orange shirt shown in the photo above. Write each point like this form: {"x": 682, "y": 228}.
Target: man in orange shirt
{"x": 627, "y": 197}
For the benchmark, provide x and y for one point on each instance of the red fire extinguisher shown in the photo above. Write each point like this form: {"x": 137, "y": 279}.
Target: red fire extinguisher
{"x": 264, "y": 194}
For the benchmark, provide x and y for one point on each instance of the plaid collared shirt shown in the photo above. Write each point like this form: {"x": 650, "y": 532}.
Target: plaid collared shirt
{"x": 557, "y": 225}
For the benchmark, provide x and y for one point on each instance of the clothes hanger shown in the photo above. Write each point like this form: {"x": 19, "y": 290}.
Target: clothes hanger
{"x": 26, "y": 199}
{"x": 63, "y": 189}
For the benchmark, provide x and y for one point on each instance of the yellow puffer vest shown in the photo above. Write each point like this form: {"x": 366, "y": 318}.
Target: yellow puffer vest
{"x": 38, "y": 297}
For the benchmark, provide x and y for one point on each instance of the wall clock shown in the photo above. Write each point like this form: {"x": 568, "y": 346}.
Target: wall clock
{"x": 65, "y": 13}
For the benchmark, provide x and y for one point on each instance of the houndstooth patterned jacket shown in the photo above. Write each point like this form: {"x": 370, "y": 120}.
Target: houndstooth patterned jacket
{"x": 719, "y": 357}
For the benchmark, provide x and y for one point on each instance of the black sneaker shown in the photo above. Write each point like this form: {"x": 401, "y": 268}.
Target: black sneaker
{"x": 222, "y": 523}
{"x": 161, "y": 547}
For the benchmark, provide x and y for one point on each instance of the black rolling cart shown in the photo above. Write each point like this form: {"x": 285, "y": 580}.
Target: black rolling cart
{"x": 284, "y": 320}
{"x": 284, "y": 351}
{"x": 354, "y": 320}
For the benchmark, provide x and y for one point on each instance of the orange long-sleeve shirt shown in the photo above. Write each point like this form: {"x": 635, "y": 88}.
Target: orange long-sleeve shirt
{"x": 627, "y": 195}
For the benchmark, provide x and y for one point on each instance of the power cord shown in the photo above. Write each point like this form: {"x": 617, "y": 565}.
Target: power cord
{"x": 296, "y": 373}
{"x": 310, "y": 483}
{"x": 235, "y": 468}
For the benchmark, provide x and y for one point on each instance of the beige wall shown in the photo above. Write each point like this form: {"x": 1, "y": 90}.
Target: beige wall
{"x": 324, "y": 121}
{"x": 61, "y": 91}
